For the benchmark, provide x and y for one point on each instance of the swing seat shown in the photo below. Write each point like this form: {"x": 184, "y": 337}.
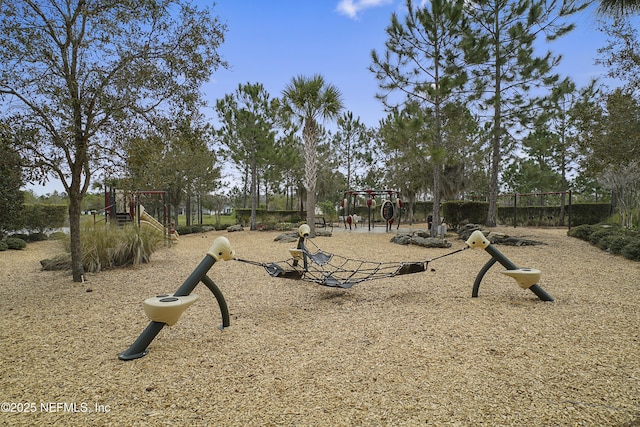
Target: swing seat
{"x": 526, "y": 277}
{"x": 167, "y": 308}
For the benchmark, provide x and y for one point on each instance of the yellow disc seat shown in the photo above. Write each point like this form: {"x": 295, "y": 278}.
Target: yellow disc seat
{"x": 167, "y": 308}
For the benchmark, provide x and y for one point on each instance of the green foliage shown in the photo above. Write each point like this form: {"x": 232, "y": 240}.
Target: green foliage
{"x": 632, "y": 250}
{"x": 33, "y": 237}
{"x": 581, "y": 213}
{"x": 617, "y": 243}
{"x": 44, "y": 217}
{"x": 600, "y": 237}
{"x": 457, "y": 213}
{"x": 58, "y": 235}
{"x": 328, "y": 211}
{"x": 243, "y": 216}
{"x": 311, "y": 99}
{"x": 15, "y": 243}
{"x": 130, "y": 61}
{"x": 422, "y": 210}
{"x": 3, "y": 246}
{"x": 11, "y": 198}
{"x": 581, "y": 232}
{"x": 198, "y": 228}
{"x": 612, "y": 238}
{"x": 107, "y": 246}
{"x": 589, "y": 213}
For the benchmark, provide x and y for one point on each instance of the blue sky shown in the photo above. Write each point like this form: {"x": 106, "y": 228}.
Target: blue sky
{"x": 270, "y": 42}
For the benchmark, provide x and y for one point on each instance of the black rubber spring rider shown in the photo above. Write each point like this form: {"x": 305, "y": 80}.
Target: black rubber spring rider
{"x": 166, "y": 309}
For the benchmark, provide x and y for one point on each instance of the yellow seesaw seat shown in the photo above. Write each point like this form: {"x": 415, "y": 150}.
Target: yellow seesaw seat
{"x": 526, "y": 277}
{"x": 167, "y": 308}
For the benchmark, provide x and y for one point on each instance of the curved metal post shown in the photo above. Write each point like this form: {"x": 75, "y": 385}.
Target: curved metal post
{"x": 480, "y": 276}
{"x": 224, "y": 310}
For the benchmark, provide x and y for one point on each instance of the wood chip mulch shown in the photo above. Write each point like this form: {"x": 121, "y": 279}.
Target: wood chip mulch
{"x": 403, "y": 351}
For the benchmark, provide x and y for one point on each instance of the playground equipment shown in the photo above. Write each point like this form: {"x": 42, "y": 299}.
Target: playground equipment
{"x": 166, "y": 309}
{"x": 389, "y": 210}
{"x": 126, "y": 206}
{"x": 318, "y": 267}
{"x": 527, "y": 278}
{"x": 336, "y": 271}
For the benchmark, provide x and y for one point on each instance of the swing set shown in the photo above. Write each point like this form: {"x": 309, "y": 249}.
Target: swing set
{"x": 389, "y": 209}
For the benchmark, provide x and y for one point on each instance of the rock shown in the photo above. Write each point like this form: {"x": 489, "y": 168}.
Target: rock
{"x": 401, "y": 239}
{"x": 495, "y": 237}
{"x": 417, "y": 238}
{"x": 422, "y": 233}
{"x": 291, "y": 236}
{"x": 430, "y": 242}
{"x": 465, "y": 231}
{"x": 236, "y": 227}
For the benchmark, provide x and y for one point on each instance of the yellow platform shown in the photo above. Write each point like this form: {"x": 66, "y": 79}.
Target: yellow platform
{"x": 526, "y": 277}
{"x": 167, "y": 308}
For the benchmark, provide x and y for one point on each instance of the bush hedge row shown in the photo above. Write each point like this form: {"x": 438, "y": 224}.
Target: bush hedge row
{"x": 457, "y": 213}
{"x": 611, "y": 238}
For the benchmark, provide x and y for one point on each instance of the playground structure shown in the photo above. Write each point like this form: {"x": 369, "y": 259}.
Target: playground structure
{"x": 126, "y": 207}
{"x": 337, "y": 271}
{"x": 527, "y": 278}
{"x": 318, "y": 267}
{"x": 166, "y": 309}
{"x": 389, "y": 209}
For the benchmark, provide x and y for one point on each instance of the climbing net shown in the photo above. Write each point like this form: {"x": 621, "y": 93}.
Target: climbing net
{"x": 334, "y": 270}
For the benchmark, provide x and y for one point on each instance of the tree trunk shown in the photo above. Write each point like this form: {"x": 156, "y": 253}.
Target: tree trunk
{"x": 435, "y": 221}
{"x": 254, "y": 194}
{"x": 311, "y": 172}
{"x": 492, "y": 213}
{"x": 77, "y": 268}
{"x": 311, "y": 214}
{"x": 493, "y": 185}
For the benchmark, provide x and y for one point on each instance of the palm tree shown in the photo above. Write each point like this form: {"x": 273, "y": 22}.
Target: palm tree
{"x": 312, "y": 99}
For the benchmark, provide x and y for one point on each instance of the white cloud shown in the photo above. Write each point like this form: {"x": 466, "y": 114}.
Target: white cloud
{"x": 351, "y": 8}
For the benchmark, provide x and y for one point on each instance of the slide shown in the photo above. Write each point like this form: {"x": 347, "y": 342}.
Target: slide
{"x": 150, "y": 221}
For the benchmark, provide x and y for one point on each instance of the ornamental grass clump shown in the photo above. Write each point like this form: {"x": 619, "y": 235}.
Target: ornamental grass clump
{"x": 107, "y": 246}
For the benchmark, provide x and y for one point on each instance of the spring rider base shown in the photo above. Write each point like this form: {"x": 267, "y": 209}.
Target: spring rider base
{"x": 166, "y": 309}
{"x": 527, "y": 278}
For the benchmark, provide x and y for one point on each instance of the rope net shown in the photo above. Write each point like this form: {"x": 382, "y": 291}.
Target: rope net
{"x": 337, "y": 271}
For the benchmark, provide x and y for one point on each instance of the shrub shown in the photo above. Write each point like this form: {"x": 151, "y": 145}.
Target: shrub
{"x": 42, "y": 217}
{"x": 582, "y": 231}
{"x": 458, "y": 213}
{"x": 184, "y": 230}
{"x": 610, "y": 237}
{"x": 632, "y": 250}
{"x": 38, "y": 237}
{"x": 3, "y": 246}
{"x": 15, "y": 243}
{"x": 22, "y": 236}
{"x": 599, "y": 237}
{"x": 617, "y": 242}
{"x": 58, "y": 235}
